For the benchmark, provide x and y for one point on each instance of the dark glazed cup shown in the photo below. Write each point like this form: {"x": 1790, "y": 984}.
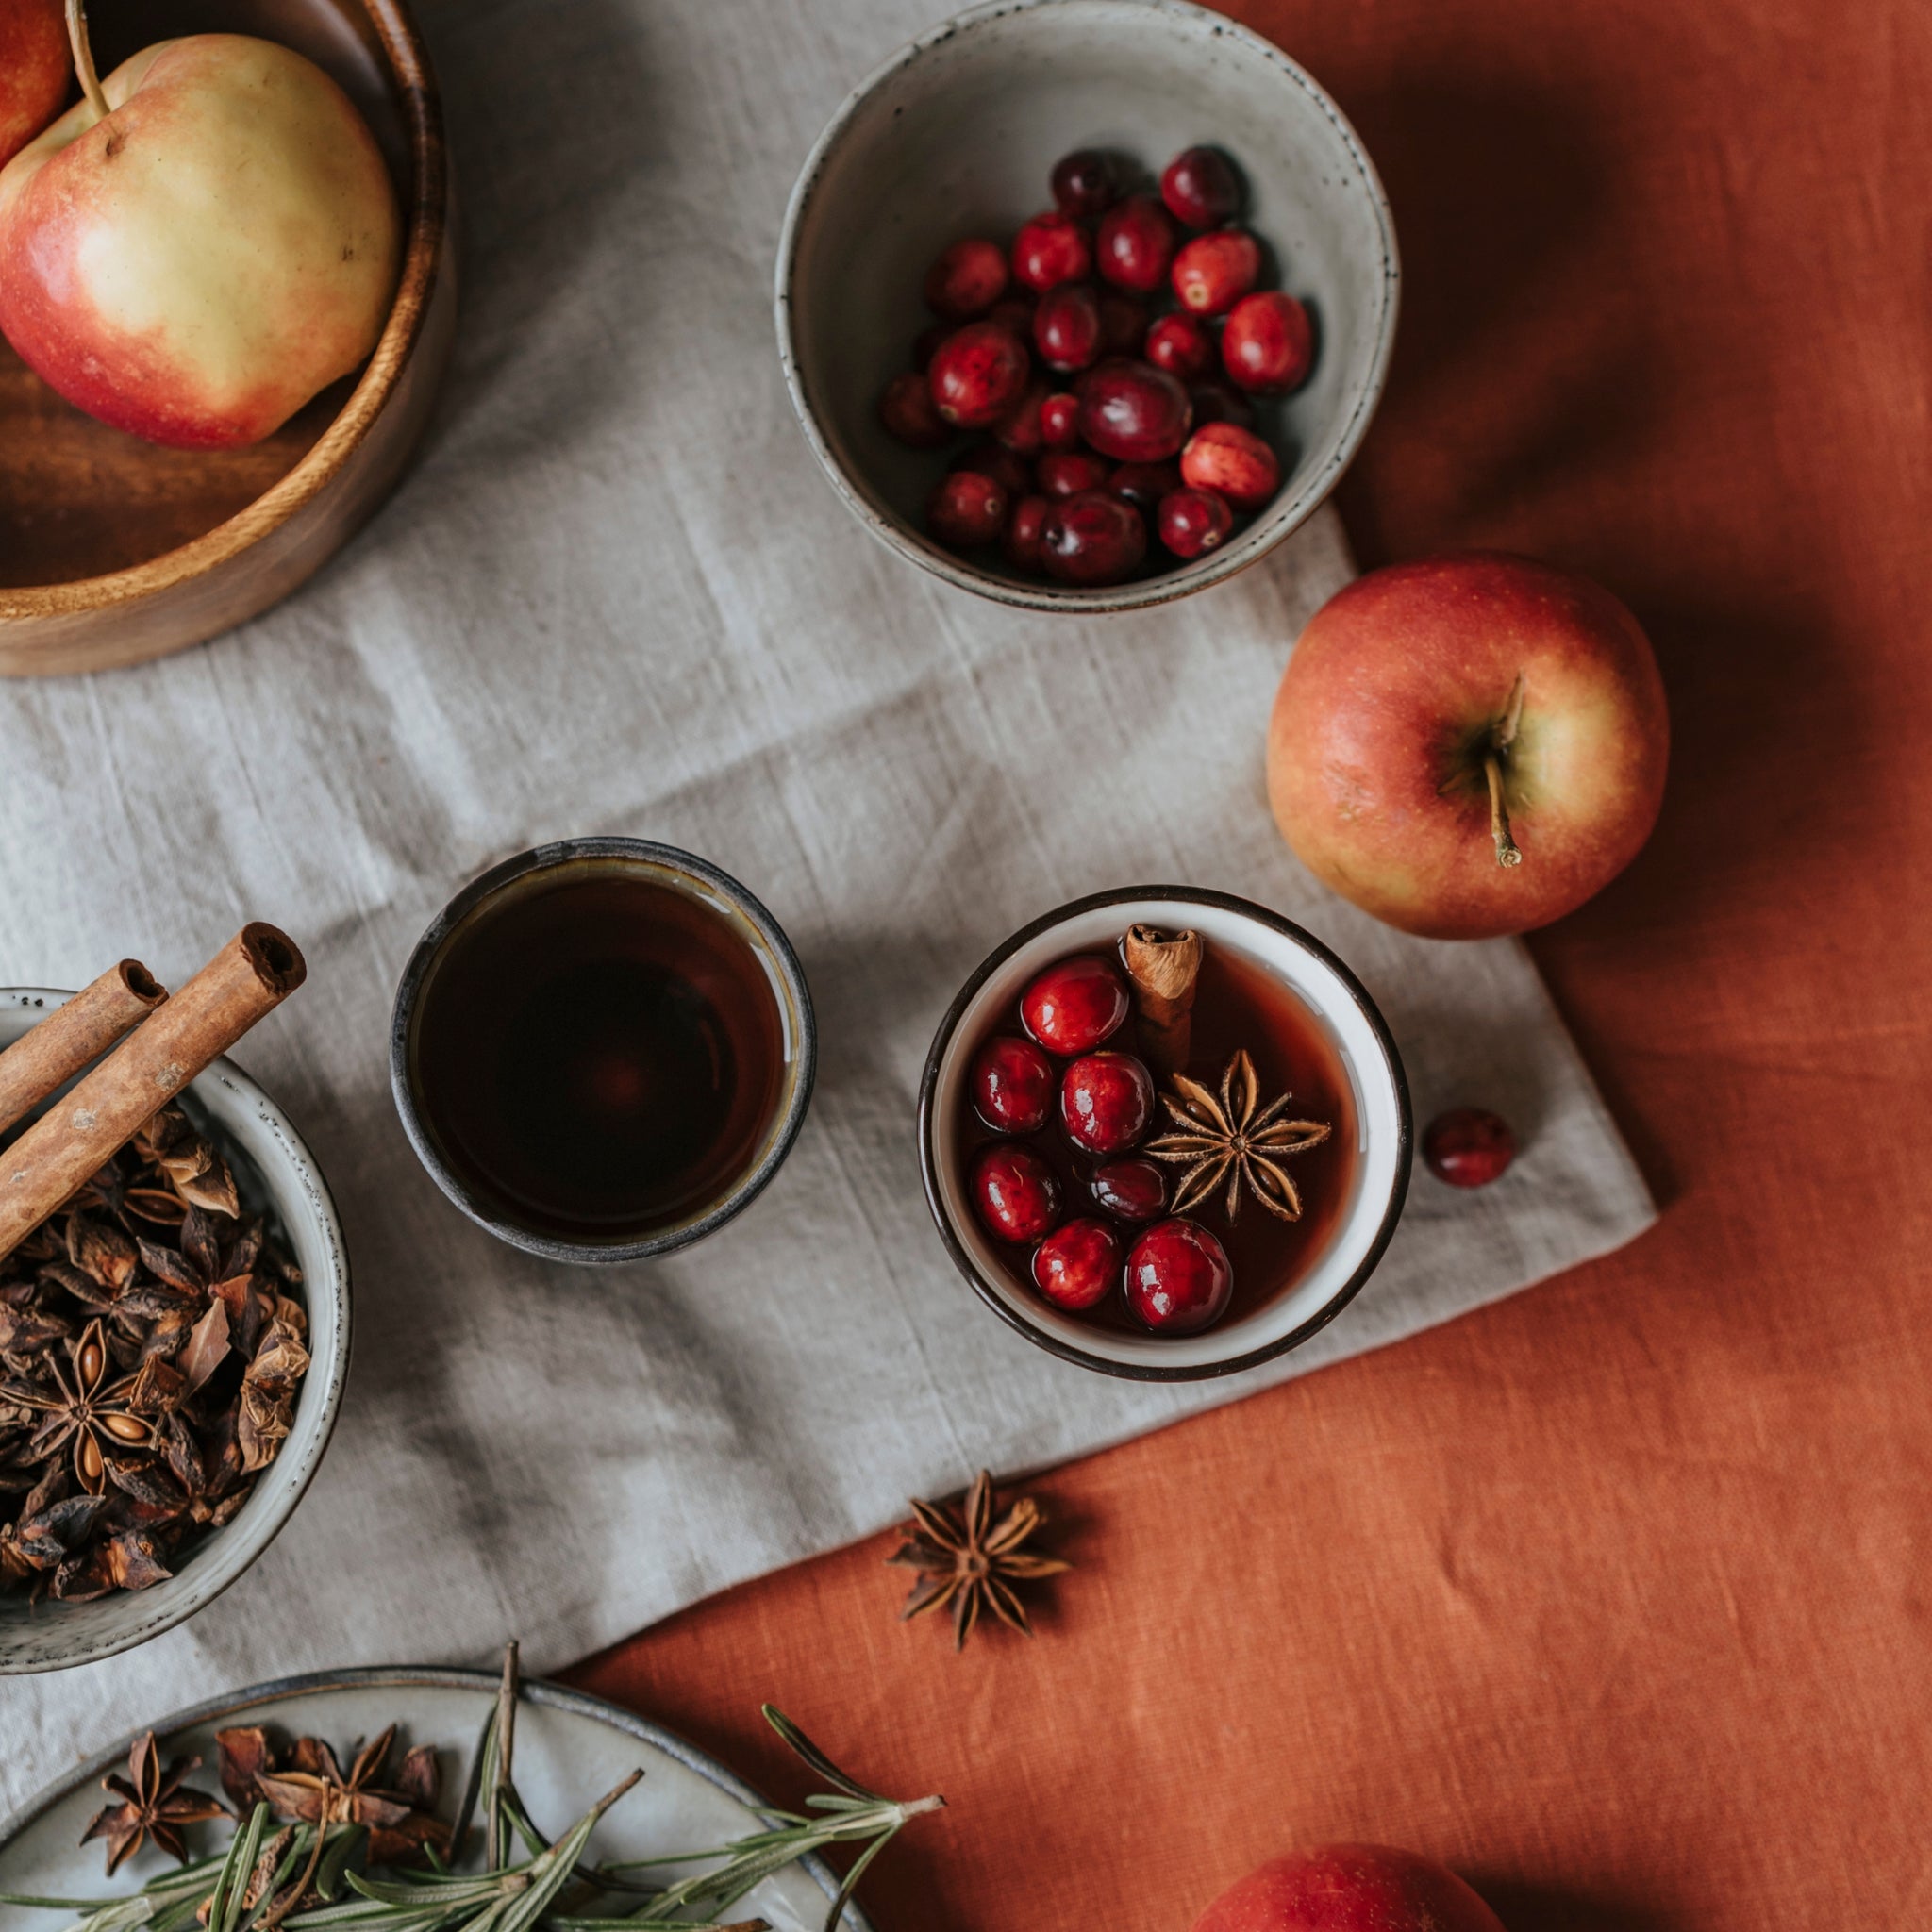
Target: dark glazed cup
{"x": 564, "y": 862}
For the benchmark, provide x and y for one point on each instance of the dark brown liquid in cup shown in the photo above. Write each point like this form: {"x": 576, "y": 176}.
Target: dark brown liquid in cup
{"x": 1237, "y": 1004}
{"x": 599, "y": 1057}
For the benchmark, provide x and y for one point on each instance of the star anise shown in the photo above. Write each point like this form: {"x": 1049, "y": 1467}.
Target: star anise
{"x": 155, "y": 1804}
{"x": 81, "y": 1407}
{"x": 1229, "y": 1137}
{"x": 311, "y": 1787}
{"x": 967, "y": 1559}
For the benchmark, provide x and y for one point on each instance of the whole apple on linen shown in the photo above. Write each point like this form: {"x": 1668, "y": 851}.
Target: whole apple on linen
{"x": 195, "y": 249}
{"x": 1468, "y": 746}
{"x": 33, "y": 70}
{"x": 1349, "y": 1888}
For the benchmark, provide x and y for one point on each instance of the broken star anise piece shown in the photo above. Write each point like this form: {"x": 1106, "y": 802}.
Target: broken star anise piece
{"x": 154, "y": 1804}
{"x": 308, "y": 1785}
{"x": 81, "y": 1407}
{"x": 967, "y": 1559}
{"x": 1229, "y": 1137}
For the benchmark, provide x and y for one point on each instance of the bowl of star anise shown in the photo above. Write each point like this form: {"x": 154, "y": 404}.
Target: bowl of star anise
{"x": 1164, "y": 1133}
{"x": 174, "y": 1341}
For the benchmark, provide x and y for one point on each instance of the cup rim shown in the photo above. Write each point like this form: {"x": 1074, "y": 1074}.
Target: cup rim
{"x": 548, "y": 858}
{"x": 1153, "y": 1372}
{"x": 330, "y": 1374}
{"x": 1290, "y": 512}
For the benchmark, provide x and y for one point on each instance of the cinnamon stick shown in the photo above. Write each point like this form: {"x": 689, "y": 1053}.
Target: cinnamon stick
{"x": 46, "y": 1056}
{"x": 1162, "y": 969}
{"x": 250, "y": 977}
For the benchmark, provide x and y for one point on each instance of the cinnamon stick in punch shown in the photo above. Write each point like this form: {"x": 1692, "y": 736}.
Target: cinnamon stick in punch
{"x": 1162, "y": 970}
{"x": 249, "y": 977}
{"x": 46, "y": 1056}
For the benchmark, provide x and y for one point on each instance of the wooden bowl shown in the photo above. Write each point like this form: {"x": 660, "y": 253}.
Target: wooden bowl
{"x": 114, "y": 551}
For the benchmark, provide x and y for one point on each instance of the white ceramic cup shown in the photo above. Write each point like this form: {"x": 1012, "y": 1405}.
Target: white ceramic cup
{"x": 956, "y": 134}
{"x": 1355, "y": 1029}
{"x": 274, "y": 1171}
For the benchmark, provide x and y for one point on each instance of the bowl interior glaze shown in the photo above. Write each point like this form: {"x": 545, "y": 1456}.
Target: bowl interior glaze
{"x": 957, "y": 135}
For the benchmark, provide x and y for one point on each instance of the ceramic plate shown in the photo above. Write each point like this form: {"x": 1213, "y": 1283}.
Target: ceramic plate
{"x": 570, "y": 1750}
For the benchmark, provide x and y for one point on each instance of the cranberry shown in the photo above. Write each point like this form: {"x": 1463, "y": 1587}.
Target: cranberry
{"x": 926, "y": 343}
{"x": 1137, "y": 243}
{"x": 1051, "y": 249}
{"x": 1135, "y": 413}
{"x": 906, "y": 410}
{"x": 1016, "y": 1194}
{"x": 1268, "y": 344}
{"x": 1084, "y": 182}
{"x": 1201, "y": 187}
{"x": 1064, "y": 473}
{"x": 1078, "y": 1264}
{"x": 1131, "y": 1190}
{"x": 1177, "y": 1279}
{"x": 1180, "y": 345}
{"x": 966, "y": 510}
{"x": 1074, "y": 1005}
{"x": 1123, "y": 324}
{"x": 1014, "y": 312}
{"x": 1093, "y": 539}
{"x": 1191, "y": 522}
{"x": 1060, "y": 420}
{"x": 1144, "y": 484}
{"x": 967, "y": 280}
{"x": 1213, "y": 271}
{"x": 1012, "y": 1084}
{"x": 1214, "y": 402}
{"x": 1020, "y": 541}
{"x": 1013, "y": 474}
{"x": 1468, "y": 1148}
{"x": 1066, "y": 326}
{"x": 1106, "y": 1100}
{"x": 1233, "y": 461}
{"x": 1019, "y": 428}
{"x": 976, "y": 374}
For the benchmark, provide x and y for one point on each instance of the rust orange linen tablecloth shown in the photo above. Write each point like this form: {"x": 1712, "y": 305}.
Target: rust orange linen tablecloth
{"x": 1616, "y": 1594}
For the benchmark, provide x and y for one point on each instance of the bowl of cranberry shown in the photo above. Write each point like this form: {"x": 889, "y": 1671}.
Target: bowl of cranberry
{"x": 1085, "y": 304}
{"x": 1164, "y": 1133}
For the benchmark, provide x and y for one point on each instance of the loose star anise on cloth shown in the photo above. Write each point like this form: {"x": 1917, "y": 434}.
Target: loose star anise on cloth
{"x": 151, "y": 1352}
{"x": 307, "y": 1785}
{"x": 1229, "y": 1137}
{"x": 155, "y": 1804}
{"x": 966, "y": 1559}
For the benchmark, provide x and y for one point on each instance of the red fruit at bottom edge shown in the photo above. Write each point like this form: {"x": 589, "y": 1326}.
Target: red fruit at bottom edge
{"x": 1012, "y": 1084}
{"x": 1074, "y": 1003}
{"x": 1093, "y": 539}
{"x": 1014, "y": 1193}
{"x": 1020, "y": 540}
{"x": 1468, "y": 1148}
{"x": 1178, "y": 1278}
{"x": 1106, "y": 1100}
{"x": 1349, "y": 1888}
{"x": 1191, "y": 522}
{"x": 907, "y": 411}
{"x": 1233, "y": 462}
{"x": 1064, "y": 473}
{"x": 966, "y": 510}
{"x": 1077, "y": 1264}
{"x": 1131, "y": 1190}
{"x": 1268, "y": 344}
{"x": 1059, "y": 421}
{"x": 977, "y": 373}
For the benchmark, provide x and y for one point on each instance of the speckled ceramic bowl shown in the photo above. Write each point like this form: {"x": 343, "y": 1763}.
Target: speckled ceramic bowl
{"x": 956, "y": 134}
{"x": 276, "y": 1173}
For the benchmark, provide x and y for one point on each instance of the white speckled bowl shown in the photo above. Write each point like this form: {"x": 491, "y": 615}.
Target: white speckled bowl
{"x": 275, "y": 1171}
{"x": 957, "y": 135}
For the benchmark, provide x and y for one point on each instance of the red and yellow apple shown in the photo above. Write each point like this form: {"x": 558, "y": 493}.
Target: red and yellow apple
{"x": 1468, "y": 746}
{"x": 201, "y": 243}
{"x": 1349, "y": 1888}
{"x": 34, "y": 70}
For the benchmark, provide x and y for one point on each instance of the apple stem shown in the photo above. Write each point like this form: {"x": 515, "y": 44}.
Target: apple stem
{"x": 84, "y": 59}
{"x": 1501, "y": 739}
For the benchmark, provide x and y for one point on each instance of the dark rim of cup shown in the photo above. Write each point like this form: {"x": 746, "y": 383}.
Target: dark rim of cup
{"x": 1152, "y": 1371}
{"x": 548, "y": 858}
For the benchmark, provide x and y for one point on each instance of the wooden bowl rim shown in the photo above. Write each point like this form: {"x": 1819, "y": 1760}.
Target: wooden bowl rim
{"x": 415, "y": 79}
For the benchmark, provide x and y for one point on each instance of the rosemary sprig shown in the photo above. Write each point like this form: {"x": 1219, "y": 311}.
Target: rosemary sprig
{"x": 298, "y": 1878}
